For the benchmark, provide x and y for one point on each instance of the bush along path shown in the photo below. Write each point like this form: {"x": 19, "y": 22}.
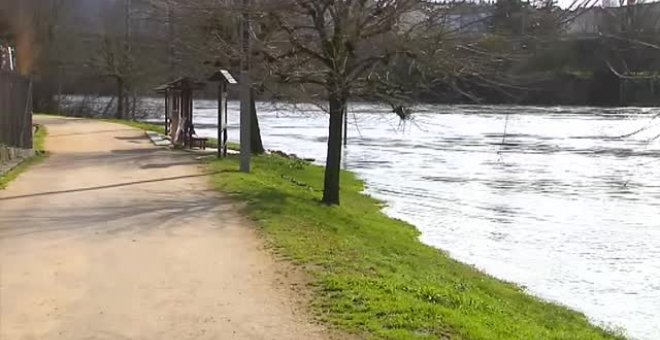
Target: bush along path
{"x": 373, "y": 276}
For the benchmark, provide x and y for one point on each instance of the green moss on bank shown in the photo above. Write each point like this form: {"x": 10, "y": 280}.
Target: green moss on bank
{"x": 39, "y": 142}
{"x": 373, "y": 276}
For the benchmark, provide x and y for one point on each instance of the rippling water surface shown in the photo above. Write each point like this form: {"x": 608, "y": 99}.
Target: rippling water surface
{"x": 557, "y": 204}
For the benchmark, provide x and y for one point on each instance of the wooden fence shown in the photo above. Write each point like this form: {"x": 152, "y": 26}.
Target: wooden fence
{"x": 15, "y": 111}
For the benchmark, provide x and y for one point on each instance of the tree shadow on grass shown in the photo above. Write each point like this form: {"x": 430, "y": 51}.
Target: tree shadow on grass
{"x": 267, "y": 200}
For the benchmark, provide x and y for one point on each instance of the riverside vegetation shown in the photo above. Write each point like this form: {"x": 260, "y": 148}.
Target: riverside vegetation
{"x": 373, "y": 276}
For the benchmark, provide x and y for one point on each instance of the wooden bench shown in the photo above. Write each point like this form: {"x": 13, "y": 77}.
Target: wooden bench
{"x": 199, "y": 142}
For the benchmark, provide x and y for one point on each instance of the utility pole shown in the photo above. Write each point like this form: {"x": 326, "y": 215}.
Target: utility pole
{"x": 127, "y": 27}
{"x": 345, "y": 125}
{"x": 170, "y": 33}
{"x": 246, "y": 84}
{"x": 525, "y": 7}
{"x": 128, "y": 50}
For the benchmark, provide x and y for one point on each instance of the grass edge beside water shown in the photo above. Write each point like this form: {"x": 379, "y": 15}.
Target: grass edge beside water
{"x": 372, "y": 276}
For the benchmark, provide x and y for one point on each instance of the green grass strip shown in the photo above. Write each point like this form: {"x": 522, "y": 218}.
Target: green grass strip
{"x": 39, "y": 141}
{"x": 373, "y": 276}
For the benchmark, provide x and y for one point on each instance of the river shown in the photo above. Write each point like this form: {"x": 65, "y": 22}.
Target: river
{"x": 546, "y": 197}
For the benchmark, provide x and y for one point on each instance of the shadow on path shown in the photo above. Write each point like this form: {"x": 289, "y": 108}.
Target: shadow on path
{"x": 118, "y": 185}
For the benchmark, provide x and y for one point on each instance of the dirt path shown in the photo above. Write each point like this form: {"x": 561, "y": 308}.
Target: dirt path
{"x": 112, "y": 238}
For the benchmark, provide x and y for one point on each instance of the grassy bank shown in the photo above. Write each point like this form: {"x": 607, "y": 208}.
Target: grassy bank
{"x": 39, "y": 142}
{"x": 372, "y": 275}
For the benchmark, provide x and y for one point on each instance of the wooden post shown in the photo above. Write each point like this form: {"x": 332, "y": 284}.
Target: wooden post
{"x": 222, "y": 120}
{"x": 245, "y": 84}
{"x": 224, "y": 79}
{"x": 225, "y": 136}
{"x": 190, "y": 119}
{"x": 345, "y": 125}
{"x": 190, "y": 106}
{"x": 167, "y": 112}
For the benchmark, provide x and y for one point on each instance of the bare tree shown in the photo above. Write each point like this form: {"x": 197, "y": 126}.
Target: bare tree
{"x": 333, "y": 47}
{"x": 113, "y": 62}
{"x": 116, "y": 59}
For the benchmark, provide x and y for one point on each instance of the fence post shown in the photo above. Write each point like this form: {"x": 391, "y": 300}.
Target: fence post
{"x": 15, "y": 110}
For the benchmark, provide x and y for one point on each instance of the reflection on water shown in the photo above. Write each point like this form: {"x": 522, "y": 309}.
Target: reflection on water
{"x": 559, "y": 203}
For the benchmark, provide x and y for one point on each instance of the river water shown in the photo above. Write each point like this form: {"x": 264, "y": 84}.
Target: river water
{"x": 549, "y": 198}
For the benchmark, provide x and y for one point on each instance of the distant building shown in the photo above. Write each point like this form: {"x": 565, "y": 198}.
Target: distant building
{"x": 637, "y": 17}
{"x": 456, "y": 17}
{"x": 469, "y": 18}
{"x": 586, "y": 22}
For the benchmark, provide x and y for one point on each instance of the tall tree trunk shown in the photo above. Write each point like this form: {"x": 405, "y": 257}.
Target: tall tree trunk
{"x": 120, "y": 99}
{"x": 256, "y": 143}
{"x": 127, "y": 101}
{"x": 108, "y": 107}
{"x": 333, "y": 161}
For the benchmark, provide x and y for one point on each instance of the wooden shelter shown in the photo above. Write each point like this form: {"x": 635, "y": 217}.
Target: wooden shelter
{"x": 179, "y": 118}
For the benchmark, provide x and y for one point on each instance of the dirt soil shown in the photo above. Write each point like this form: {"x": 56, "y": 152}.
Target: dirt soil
{"x": 113, "y": 238}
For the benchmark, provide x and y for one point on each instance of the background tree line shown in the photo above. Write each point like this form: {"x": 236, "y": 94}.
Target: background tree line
{"x": 531, "y": 48}
{"x": 330, "y": 52}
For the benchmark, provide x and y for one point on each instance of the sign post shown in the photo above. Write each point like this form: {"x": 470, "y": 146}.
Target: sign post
{"x": 224, "y": 79}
